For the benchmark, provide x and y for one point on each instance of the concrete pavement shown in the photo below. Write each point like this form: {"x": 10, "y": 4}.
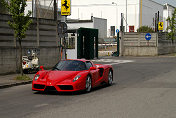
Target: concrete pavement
{"x": 9, "y": 81}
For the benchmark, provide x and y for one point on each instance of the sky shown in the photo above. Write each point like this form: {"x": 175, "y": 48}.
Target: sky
{"x": 171, "y": 2}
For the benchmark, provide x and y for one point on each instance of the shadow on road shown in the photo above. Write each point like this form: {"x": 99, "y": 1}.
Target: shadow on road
{"x": 72, "y": 93}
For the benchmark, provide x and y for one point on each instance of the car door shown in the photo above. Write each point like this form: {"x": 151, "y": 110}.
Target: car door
{"x": 94, "y": 73}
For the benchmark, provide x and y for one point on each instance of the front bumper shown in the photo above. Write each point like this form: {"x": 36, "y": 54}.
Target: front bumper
{"x": 61, "y": 87}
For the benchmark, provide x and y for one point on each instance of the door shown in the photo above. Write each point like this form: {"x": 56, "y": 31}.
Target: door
{"x": 94, "y": 73}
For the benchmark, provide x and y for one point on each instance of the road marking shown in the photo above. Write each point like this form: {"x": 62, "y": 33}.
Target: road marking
{"x": 113, "y": 61}
{"x": 41, "y": 105}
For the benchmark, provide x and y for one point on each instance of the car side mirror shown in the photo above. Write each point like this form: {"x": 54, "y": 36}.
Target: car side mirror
{"x": 41, "y": 67}
{"x": 92, "y": 68}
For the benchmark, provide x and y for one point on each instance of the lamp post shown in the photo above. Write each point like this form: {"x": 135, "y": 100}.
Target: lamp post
{"x": 117, "y": 54}
{"x": 116, "y": 14}
{"x": 126, "y": 15}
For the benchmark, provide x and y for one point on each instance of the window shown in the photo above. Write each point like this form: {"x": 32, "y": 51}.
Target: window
{"x": 88, "y": 64}
{"x": 70, "y": 43}
{"x": 70, "y": 65}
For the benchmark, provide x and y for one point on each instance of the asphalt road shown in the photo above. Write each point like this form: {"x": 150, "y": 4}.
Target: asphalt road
{"x": 143, "y": 88}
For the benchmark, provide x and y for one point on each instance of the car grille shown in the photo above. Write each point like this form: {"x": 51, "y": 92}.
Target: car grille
{"x": 39, "y": 86}
{"x": 50, "y": 88}
{"x": 66, "y": 87}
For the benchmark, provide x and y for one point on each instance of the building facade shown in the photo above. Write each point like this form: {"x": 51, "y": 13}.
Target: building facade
{"x": 136, "y": 13}
{"x": 95, "y": 23}
{"x": 167, "y": 12}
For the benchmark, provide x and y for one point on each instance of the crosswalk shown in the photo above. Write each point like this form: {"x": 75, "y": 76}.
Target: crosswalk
{"x": 113, "y": 61}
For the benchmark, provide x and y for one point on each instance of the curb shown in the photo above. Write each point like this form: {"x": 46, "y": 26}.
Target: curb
{"x": 15, "y": 84}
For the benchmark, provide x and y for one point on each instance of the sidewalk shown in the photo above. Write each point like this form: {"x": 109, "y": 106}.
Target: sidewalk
{"x": 9, "y": 81}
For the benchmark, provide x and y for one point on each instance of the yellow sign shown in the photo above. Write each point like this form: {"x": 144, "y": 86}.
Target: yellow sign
{"x": 65, "y": 8}
{"x": 160, "y": 26}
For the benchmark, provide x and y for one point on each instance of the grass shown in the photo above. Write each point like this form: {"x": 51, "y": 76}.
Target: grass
{"x": 24, "y": 77}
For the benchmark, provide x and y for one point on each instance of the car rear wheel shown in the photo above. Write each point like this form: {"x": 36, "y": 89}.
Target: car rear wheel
{"x": 110, "y": 78}
{"x": 88, "y": 84}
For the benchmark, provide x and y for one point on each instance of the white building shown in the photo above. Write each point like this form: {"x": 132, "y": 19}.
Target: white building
{"x": 95, "y": 23}
{"x": 167, "y": 12}
{"x": 139, "y": 12}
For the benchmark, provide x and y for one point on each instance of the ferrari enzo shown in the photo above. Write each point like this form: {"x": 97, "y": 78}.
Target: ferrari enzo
{"x": 72, "y": 75}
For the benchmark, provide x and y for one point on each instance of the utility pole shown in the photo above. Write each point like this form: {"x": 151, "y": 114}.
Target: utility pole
{"x": 158, "y": 21}
{"x": 126, "y": 15}
{"x": 32, "y": 8}
{"x": 55, "y": 10}
{"x": 37, "y": 15}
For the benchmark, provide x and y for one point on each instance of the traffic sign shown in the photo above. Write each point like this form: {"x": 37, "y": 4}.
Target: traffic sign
{"x": 148, "y": 36}
{"x": 160, "y": 26}
{"x": 62, "y": 28}
{"x": 65, "y": 8}
{"x": 117, "y": 30}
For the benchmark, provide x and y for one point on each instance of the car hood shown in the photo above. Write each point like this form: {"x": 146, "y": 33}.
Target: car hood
{"x": 59, "y": 76}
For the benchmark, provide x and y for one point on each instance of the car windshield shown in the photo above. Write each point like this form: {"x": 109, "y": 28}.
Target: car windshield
{"x": 70, "y": 65}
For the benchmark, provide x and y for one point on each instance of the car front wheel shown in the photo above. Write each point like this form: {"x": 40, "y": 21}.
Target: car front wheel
{"x": 88, "y": 84}
{"x": 110, "y": 78}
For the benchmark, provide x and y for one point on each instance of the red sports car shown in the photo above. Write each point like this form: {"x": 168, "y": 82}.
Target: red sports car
{"x": 72, "y": 75}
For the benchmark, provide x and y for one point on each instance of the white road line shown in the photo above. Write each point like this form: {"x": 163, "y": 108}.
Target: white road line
{"x": 113, "y": 61}
{"x": 41, "y": 105}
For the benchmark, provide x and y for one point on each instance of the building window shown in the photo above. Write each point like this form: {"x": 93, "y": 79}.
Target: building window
{"x": 70, "y": 43}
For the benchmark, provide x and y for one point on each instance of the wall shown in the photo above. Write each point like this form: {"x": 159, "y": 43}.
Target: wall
{"x": 165, "y": 46}
{"x": 84, "y": 9}
{"x": 80, "y": 24}
{"x": 101, "y": 25}
{"x": 47, "y": 44}
{"x": 167, "y": 12}
{"x": 72, "y": 53}
{"x": 95, "y": 23}
{"x": 135, "y": 44}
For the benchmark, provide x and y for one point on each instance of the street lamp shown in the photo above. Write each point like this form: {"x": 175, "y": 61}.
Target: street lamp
{"x": 126, "y": 15}
{"x": 117, "y": 54}
{"x": 116, "y": 13}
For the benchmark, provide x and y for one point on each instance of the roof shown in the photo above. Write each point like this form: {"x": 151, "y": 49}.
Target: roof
{"x": 83, "y": 60}
{"x": 78, "y": 21}
{"x": 156, "y": 2}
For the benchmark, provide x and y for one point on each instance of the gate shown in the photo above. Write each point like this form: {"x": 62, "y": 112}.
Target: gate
{"x": 87, "y": 45}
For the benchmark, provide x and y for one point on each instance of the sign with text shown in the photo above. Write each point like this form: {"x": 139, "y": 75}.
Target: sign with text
{"x": 65, "y": 7}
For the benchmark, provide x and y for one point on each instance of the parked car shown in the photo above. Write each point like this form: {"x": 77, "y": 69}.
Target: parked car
{"x": 72, "y": 75}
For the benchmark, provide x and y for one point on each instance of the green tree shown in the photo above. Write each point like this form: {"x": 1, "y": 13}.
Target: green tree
{"x": 20, "y": 22}
{"x": 3, "y": 9}
{"x": 172, "y": 26}
{"x": 145, "y": 29}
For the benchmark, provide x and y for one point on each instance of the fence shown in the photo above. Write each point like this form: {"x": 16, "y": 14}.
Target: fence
{"x": 46, "y": 42}
{"x": 135, "y": 44}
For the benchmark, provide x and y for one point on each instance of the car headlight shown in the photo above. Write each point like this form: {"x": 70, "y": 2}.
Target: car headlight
{"x": 36, "y": 77}
{"x": 76, "y": 78}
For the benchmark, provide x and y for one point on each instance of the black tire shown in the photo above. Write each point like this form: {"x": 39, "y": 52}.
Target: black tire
{"x": 88, "y": 84}
{"x": 110, "y": 78}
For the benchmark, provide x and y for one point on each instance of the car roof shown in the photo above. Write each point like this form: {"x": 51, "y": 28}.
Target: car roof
{"x": 83, "y": 60}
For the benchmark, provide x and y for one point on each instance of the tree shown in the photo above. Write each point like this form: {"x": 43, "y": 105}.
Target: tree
{"x": 3, "y": 9}
{"x": 172, "y": 26}
{"x": 145, "y": 29}
{"x": 20, "y": 22}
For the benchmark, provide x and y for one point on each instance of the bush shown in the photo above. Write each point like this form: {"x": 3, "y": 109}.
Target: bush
{"x": 24, "y": 77}
{"x": 145, "y": 29}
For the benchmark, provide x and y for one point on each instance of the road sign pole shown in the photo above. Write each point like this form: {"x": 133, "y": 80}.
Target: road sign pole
{"x": 118, "y": 44}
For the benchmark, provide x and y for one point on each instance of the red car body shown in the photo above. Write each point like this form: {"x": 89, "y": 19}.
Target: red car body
{"x": 63, "y": 81}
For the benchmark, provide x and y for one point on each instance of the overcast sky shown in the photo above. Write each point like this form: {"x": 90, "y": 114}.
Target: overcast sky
{"x": 171, "y": 2}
